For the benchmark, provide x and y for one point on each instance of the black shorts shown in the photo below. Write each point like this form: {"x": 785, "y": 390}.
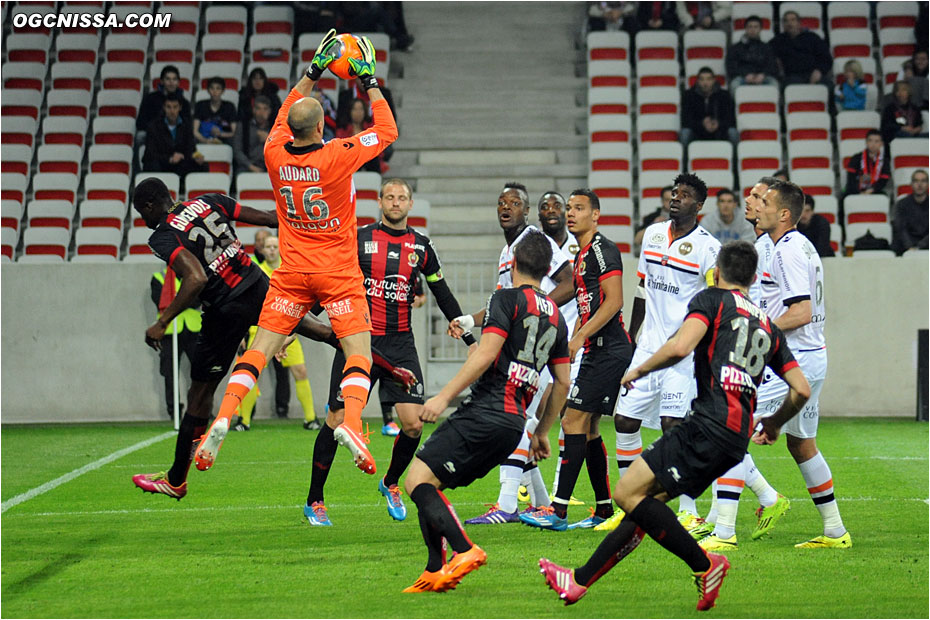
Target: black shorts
{"x": 469, "y": 444}
{"x": 597, "y": 385}
{"x": 402, "y": 352}
{"x": 686, "y": 461}
{"x": 224, "y": 327}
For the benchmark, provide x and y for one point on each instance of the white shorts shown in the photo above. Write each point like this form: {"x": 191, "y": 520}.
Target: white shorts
{"x": 773, "y": 390}
{"x": 663, "y": 393}
{"x": 545, "y": 379}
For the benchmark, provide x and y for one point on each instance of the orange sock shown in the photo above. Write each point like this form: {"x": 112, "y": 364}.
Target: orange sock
{"x": 244, "y": 377}
{"x": 356, "y": 382}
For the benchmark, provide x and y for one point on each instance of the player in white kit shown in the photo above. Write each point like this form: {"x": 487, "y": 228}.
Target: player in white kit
{"x": 796, "y": 306}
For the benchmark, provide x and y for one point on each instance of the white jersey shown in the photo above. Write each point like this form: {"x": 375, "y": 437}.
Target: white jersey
{"x": 674, "y": 272}
{"x": 765, "y": 248}
{"x": 505, "y": 266}
{"x": 798, "y": 275}
{"x": 570, "y": 309}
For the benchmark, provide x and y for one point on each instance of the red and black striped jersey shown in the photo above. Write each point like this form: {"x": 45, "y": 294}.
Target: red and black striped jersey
{"x": 392, "y": 261}
{"x": 593, "y": 264}
{"x": 202, "y": 227}
{"x": 729, "y": 361}
{"x": 535, "y": 336}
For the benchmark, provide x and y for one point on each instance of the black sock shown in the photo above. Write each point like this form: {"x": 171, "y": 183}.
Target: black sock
{"x": 387, "y": 413}
{"x": 662, "y": 525}
{"x": 433, "y": 540}
{"x": 568, "y": 474}
{"x": 434, "y": 510}
{"x": 324, "y": 451}
{"x": 596, "y": 462}
{"x": 401, "y": 455}
{"x": 190, "y": 431}
{"x": 615, "y": 546}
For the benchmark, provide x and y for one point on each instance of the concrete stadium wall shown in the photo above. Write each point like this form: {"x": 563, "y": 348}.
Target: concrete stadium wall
{"x": 72, "y": 346}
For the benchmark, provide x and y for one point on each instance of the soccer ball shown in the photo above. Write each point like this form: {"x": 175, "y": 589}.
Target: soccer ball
{"x": 348, "y": 48}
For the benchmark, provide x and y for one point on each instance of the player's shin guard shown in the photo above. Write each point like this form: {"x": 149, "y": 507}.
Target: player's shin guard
{"x": 404, "y": 449}
{"x": 575, "y": 448}
{"x": 629, "y": 447}
{"x": 616, "y": 545}
{"x": 729, "y": 488}
{"x": 434, "y": 507}
{"x": 758, "y": 484}
{"x": 190, "y": 431}
{"x": 819, "y": 483}
{"x": 324, "y": 451}
{"x": 596, "y": 461}
{"x": 305, "y": 397}
{"x": 660, "y": 523}
{"x": 356, "y": 382}
{"x": 244, "y": 377}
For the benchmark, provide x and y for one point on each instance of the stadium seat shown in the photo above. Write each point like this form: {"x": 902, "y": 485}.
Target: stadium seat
{"x": 137, "y": 247}
{"x": 836, "y": 239}
{"x": 748, "y": 178}
{"x": 867, "y": 212}
{"x": 118, "y": 102}
{"x": 11, "y": 214}
{"x": 120, "y": 76}
{"x": 658, "y": 128}
{"x": 419, "y": 214}
{"x": 910, "y": 153}
{"x": 811, "y": 14}
{"x": 16, "y": 158}
{"x": 891, "y": 67}
{"x": 896, "y": 14}
{"x": 366, "y": 211}
{"x": 693, "y": 67}
{"x": 227, "y": 19}
{"x": 608, "y": 73}
{"x": 174, "y": 48}
{"x": 902, "y": 181}
{"x": 102, "y": 213}
{"x": 710, "y": 155}
{"x": 848, "y": 148}
{"x": 96, "y": 244}
{"x": 113, "y": 130}
{"x": 367, "y": 185}
{"x": 223, "y": 48}
{"x": 20, "y": 102}
{"x": 106, "y": 186}
{"x": 24, "y": 76}
{"x": 704, "y": 45}
{"x": 278, "y": 72}
{"x": 761, "y": 155}
{"x": 18, "y": 129}
{"x": 59, "y": 158}
{"x": 73, "y": 75}
{"x": 752, "y": 98}
{"x": 828, "y": 207}
{"x": 68, "y": 102}
{"x": 854, "y": 43}
{"x": 13, "y": 186}
{"x": 658, "y": 100}
{"x": 620, "y": 207}
{"x": 808, "y": 126}
{"x": 186, "y": 70}
{"x": 50, "y": 213}
{"x": 619, "y": 229}
{"x": 270, "y": 48}
{"x": 229, "y": 71}
{"x": 45, "y": 244}
{"x": 127, "y": 48}
{"x": 252, "y": 186}
{"x": 896, "y": 43}
{"x": 91, "y": 9}
{"x": 651, "y": 184}
{"x": 611, "y": 184}
{"x": 856, "y": 123}
{"x": 608, "y": 46}
{"x": 246, "y": 235}
{"x": 742, "y": 10}
{"x": 656, "y": 45}
{"x": 716, "y": 180}
{"x": 847, "y": 15}
{"x": 198, "y": 183}
{"x": 273, "y": 19}
{"x": 816, "y": 182}
{"x": 758, "y": 126}
{"x": 608, "y": 100}
{"x": 170, "y": 179}
{"x": 9, "y": 239}
{"x": 55, "y": 186}
{"x": 64, "y": 130}
{"x": 806, "y": 98}
{"x": 609, "y": 156}
{"x": 218, "y": 157}
{"x": 656, "y": 73}
{"x": 28, "y": 47}
{"x": 185, "y": 19}
{"x": 609, "y": 128}
{"x": 666, "y": 156}
{"x": 79, "y": 48}
{"x": 809, "y": 154}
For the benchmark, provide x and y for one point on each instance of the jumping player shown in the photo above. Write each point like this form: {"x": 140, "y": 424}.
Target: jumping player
{"x": 732, "y": 341}
{"x": 392, "y": 256}
{"x": 523, "y": 333}
{"x": 315, "y": 202}
{"x": 597, "y": 272}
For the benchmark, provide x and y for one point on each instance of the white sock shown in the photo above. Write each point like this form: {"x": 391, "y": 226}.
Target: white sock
{"x": 686, "y": 504}
{"x": 526, "y": 480}
{"x": 729, "y": 487}
{"x": 629, "y": 447}
{"x": 510, "y": 485}
{"x": 712, "y": 513}
{"x": 819, "y": 483}
{"x": 558, "y": 462}
{"x": 539, "y": 498}
{"x": 758, "y": 484}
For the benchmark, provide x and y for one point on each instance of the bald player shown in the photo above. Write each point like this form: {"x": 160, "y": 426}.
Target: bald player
{"x": 315, "y": 201}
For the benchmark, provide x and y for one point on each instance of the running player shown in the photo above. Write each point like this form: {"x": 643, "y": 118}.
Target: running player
{"x": 598, "y": 272}
{"x": 732, "y": 340}
{"x": 676, "y": 263}
{"x": 512, "y": 210}
{"x": 523, "y": 333}
{"x": 796, "y": 305}
{"x": 392, "y": 256}
{"x": 315, "y": 201}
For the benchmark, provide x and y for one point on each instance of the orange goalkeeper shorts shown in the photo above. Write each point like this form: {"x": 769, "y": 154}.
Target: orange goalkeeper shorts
{"x": 292, "y": 294}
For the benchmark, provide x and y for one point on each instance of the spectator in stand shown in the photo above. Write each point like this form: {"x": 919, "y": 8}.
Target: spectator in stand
{"x": 169, "y": 82}
{"x": 707, "y": 111}
{"x": 169, "y": 142}
{"x": 659, "y": 215}
{"x": 724, "y": 223}
{"x": 356, "y": 121}
{"x": 249, "y": 142}
{"x": 915, "y": 74}
{"x": 815, "y": 227}
{"x": 215, "y": 120}
{"x": 750, "y": 61}
{"x": 609, "y": 16}
{"x": 910, "y": 217}
{"x": 850, "y": 95}
{"x": 868, "y": 172}
{"x": 387, "y": 17}
{"x": 803, "y": 57}
{"x": 704, "y": 15}
{"x": 901, "y": 118}
{"x": 257, "y": 84}
{"x": 653, "y": 16}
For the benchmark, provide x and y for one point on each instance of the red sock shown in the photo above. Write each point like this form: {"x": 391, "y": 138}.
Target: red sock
{"x": 243, "y": 379}
{"x": 356, "y": 382}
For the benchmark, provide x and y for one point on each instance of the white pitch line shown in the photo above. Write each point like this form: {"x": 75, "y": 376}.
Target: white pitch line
{"x": 48, "y": 486}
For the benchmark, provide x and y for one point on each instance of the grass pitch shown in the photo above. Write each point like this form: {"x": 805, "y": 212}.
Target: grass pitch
{"x": 238, "y": 545}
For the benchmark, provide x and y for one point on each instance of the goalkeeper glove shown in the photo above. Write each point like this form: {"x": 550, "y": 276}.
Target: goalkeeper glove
{"x": 364, "y": 69}
{"x": 324, "y": 55}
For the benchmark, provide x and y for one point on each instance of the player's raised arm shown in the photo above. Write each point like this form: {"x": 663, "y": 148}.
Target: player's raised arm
{"x": 677, "y": 348}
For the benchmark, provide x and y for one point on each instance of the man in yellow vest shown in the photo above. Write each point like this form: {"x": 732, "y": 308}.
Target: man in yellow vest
{"x": 188, "y": 329}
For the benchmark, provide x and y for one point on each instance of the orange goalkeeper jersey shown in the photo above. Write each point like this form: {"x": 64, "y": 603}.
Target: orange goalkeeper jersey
{"x": 314, "y": 194}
